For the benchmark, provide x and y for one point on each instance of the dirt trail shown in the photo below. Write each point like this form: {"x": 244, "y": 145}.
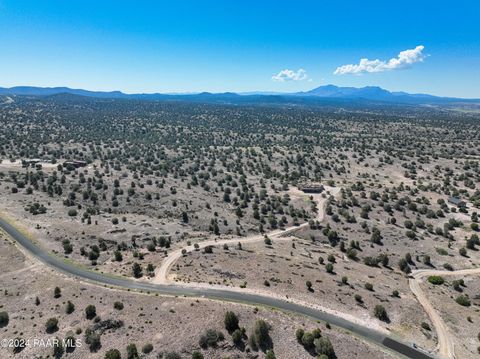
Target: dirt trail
{"x": 17, "y": 272}
{"x": 422, "y": 273}
{"x": 161, "y": 275}
{"x": 446, "y": 346}
{"x": 445, "y": 343}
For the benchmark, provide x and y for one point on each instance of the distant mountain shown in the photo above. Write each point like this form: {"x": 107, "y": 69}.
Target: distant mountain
{"x": 48, "y": 91}
{"x": 370, "y": 92}
{"x": 317, "y": 95}
{"x": 375, "y": 93}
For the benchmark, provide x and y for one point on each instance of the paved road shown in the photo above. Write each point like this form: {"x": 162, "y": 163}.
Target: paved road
{"x": 211, "y": 293}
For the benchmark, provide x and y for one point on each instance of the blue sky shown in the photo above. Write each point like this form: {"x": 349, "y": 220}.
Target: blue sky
{"x": 189, "y": 46}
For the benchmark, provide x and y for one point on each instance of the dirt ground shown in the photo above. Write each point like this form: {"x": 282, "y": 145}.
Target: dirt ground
{"x": 283, "y": 270}
{"x": 463, "y": 322}
{"x": 168, "y": 323}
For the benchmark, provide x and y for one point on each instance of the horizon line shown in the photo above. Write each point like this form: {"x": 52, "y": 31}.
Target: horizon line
{"x": 250, "y": 92}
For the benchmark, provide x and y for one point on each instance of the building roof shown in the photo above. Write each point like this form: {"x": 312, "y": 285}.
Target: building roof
{"x": 455, "y": 200}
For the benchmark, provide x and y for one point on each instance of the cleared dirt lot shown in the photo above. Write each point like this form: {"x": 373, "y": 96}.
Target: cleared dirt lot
{"x": 283, "y": 270}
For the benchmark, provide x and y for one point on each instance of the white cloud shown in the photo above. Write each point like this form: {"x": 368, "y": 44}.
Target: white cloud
{"x": 404, "y": 59}
{"x": 290, "y": 75}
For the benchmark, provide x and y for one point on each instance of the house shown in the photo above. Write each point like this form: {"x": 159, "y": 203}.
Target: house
{"x": 312, "y": 189}
{"x": 31, "y": 161}
{"x": 457, "y": 202}
{"x": 75, "y": 163}
{"x": 78, "y": 163}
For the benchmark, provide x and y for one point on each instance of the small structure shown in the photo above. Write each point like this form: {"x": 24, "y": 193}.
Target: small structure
{"x": 312, "y": 189}
{"x": 31, "y": 161}
{"x": 457, "y": 202}
{"x": 75, "y": 163}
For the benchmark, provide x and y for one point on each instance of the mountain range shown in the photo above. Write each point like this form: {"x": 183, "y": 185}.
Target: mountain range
{"x": 328, "y": 92}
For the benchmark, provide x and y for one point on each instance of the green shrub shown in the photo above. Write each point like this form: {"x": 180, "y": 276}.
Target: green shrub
{"x": 69, "y": 307}
{"x": 463, "y": 300}
{"x": 231, "y": 321}
{"x": 260, "y": 336}
{"x": 436, "y": 280}
{"x": 323, "y": 346}
{"x": 381, "y": 313}
{"x": 307, "y": 340}
{"x": 147, "y": 348}
{"x": 329, "y": 268}
{"x": 197, "y": 355}
{"x": 237, "y": 336}
{"x": 137, "y": 270}
{"x": 57, "y": 292}
{"x": 211, "y": 338}
{"x": 132, "y": 352}
{"x": 51, "y": 325}
{"x": 448, "y": 266}
{"x": 441, "y": 251}
{"x": 426, "y": 326}
{"x": 299, "y": 334}
{"x": 4, "y": 319}
{"x": 113, "y": 354}
{"x": 90, "y": 311}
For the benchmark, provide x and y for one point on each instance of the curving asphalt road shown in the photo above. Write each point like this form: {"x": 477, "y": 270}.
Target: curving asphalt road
{"x": 57, "y": 263}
